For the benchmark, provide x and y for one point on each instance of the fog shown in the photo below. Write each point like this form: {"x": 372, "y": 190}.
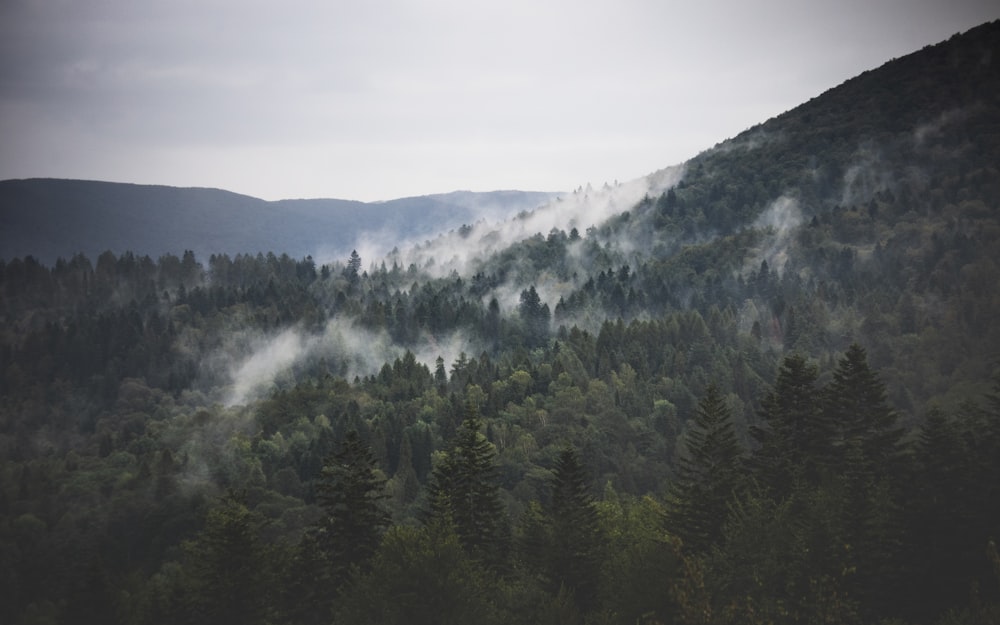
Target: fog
{"x": 265, "y": 362}
{"x": 462, "y": 250}
{"x": 250, "y": 365}
{"x": 778, "y": 221}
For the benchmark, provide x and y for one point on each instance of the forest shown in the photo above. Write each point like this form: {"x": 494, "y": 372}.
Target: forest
{"x": 765, "y": 390}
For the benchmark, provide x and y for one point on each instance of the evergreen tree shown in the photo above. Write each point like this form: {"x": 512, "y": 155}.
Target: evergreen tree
{"x": 795, "y": 439}
{"x": 574, "y": 541}
{"x": 856, "y": 409}
{"x": 535, "y": 315}
{"x": 865, "y": 461}
{"x": 228, "y": 574}
{"x": 349, "y": 490}
{"x": 353, "y": 268}
{"x": 464, "y": 490}
{"x": 708, "y": 475}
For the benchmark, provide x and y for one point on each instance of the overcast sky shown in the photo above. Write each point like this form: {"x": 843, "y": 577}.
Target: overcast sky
{"x": 378, "y": 99}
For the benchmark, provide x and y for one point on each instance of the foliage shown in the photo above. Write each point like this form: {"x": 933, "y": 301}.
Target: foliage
{"x": 778, "y": 375}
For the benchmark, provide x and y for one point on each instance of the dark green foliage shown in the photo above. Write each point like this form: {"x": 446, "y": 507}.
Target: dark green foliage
{"x": 464, "y": 492}
{"x": 229, "y": 574}
{"x": 709, "y": 475}
{"x": 128, "y": 399}
{"x": 795, "y": 437}
{"x": 350, "y": 492}
{"x": 562, "y": 542}
{"x": 422, "y": 577}
{"x": 353, "y": 268}
{"x": 535, "y": 316}
{"x": 856, "y": 408}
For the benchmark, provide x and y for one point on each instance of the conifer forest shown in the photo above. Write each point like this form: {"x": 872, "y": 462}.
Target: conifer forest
{"x": 764, "y": 389}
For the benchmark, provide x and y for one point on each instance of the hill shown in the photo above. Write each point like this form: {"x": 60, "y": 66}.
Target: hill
{"x": 51, "y": 219}
{"x": 757, "y": 387}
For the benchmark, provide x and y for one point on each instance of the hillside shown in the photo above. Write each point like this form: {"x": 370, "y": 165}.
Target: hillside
{"x": 50, "y": 219}
{"x": 760, "y": 386}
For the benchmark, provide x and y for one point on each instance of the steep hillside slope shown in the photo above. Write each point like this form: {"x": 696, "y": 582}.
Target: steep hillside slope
{"x": 776, "y": 363}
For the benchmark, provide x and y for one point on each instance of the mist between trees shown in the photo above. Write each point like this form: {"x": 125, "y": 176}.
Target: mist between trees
{"x": 758, "y": 388}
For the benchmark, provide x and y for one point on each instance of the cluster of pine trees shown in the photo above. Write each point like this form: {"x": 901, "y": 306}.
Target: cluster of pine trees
{"x": 767, "y": 395}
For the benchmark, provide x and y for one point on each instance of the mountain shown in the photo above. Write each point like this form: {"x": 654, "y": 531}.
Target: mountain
{"x": 760, "y": 386}
{"x": 51, "y": 218}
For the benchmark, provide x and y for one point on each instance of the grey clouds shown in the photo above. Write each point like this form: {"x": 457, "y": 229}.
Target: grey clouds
{"x": 388, "y": 98}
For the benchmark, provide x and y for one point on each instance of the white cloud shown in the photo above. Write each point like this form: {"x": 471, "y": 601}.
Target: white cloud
{"x": 375, "y": 100}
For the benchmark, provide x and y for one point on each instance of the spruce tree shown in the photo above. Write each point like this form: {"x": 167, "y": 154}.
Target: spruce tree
{"x": 227, "y": 574}
{"x": 795, "y": 439}
{"x": 708, "y": 475}
{"x": 464, "y": 491}
{"x": 349, "y": 491}
{"x": 573, "y": 551}
{"x": 856, "y": 409}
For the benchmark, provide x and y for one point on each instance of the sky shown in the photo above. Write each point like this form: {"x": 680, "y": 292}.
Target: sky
{"x": 379, "y": 99}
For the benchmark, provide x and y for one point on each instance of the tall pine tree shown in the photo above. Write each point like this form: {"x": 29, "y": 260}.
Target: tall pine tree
{"x": 708, "y": 475}
{"x": 464, "y": 491}
{"x": 795, "y": 438}
{"x": 349, "y": 491}
{"x": 857, "y": 411}
{"x": 563, "y": 542}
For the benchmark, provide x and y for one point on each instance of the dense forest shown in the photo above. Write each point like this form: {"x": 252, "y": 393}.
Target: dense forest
{"x": 766, "y": 392}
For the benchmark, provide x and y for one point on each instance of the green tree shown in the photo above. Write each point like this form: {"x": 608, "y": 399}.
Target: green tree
{"x": 708, "y": 475}
{"x": 563, "y": 543}
{"x": 350, "y": 490}
{"x": 353, "y": 268}
{"x": 229, "y": 574}
{"x": 857, "y": 410}
{"x": 464, "y": 491}
{"x": 795, "y": 439}
{"x": 535, "y": 316}
{"x": 420, "y": 576}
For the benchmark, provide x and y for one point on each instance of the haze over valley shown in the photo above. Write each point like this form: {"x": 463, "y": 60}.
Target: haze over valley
{"x": 759, "y": 385}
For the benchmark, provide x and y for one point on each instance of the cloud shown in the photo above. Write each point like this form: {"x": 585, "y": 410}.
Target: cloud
{"x": 587, "y": 206}
{"x": 264, "y": 363}
{"x": 379, "y": 100}
{"x": 778, "y": 220}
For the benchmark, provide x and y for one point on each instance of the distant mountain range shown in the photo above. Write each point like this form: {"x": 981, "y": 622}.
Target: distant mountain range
{"x": 54, "y": 218}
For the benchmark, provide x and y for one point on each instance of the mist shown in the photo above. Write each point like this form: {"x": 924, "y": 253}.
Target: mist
{"x": 342, "y": 347}
{"x": 778, "y": 220}
{"x": 463, "y": 250}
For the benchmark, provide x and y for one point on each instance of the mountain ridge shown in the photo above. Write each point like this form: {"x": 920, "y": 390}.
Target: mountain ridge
{"x": 51, "y": 218}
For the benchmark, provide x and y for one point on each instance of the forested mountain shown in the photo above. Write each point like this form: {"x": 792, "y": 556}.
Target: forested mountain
{"x": 51, "y": 218}
{"x": 758, "y": 387}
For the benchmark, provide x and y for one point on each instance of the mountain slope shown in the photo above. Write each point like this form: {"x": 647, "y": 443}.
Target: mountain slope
{"x": 795, "y": 330}
{"x": 49, "y": 219}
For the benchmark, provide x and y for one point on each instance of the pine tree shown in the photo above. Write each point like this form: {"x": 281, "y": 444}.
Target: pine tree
{"x": 938, "y": 520}
{"x": 708, "y": 475}
{"x": 464, "y": 491}
{"x": 351, "y": 271}
{"x": 856, "y": 409}
{"x": 795, "y": 439}
{"x": 227, "y": 569}
{"x": 865, "y": 459}
{"x": 573, "y": 551}
{"x": 349, "y": 491}
{"x": 535, "y": 315}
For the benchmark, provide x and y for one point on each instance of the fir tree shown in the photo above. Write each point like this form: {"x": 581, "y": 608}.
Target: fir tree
{"x": 573, "y": 550}
{"x": 795, "y": 439}
{"x": 227, "y": 573}
{"x": 856, "y": 409}
{"x": 351, "y": 271}
{"x": 464, "y": 491}
{"x": 349, "y": 491}
{"x": 708, "y": 475}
